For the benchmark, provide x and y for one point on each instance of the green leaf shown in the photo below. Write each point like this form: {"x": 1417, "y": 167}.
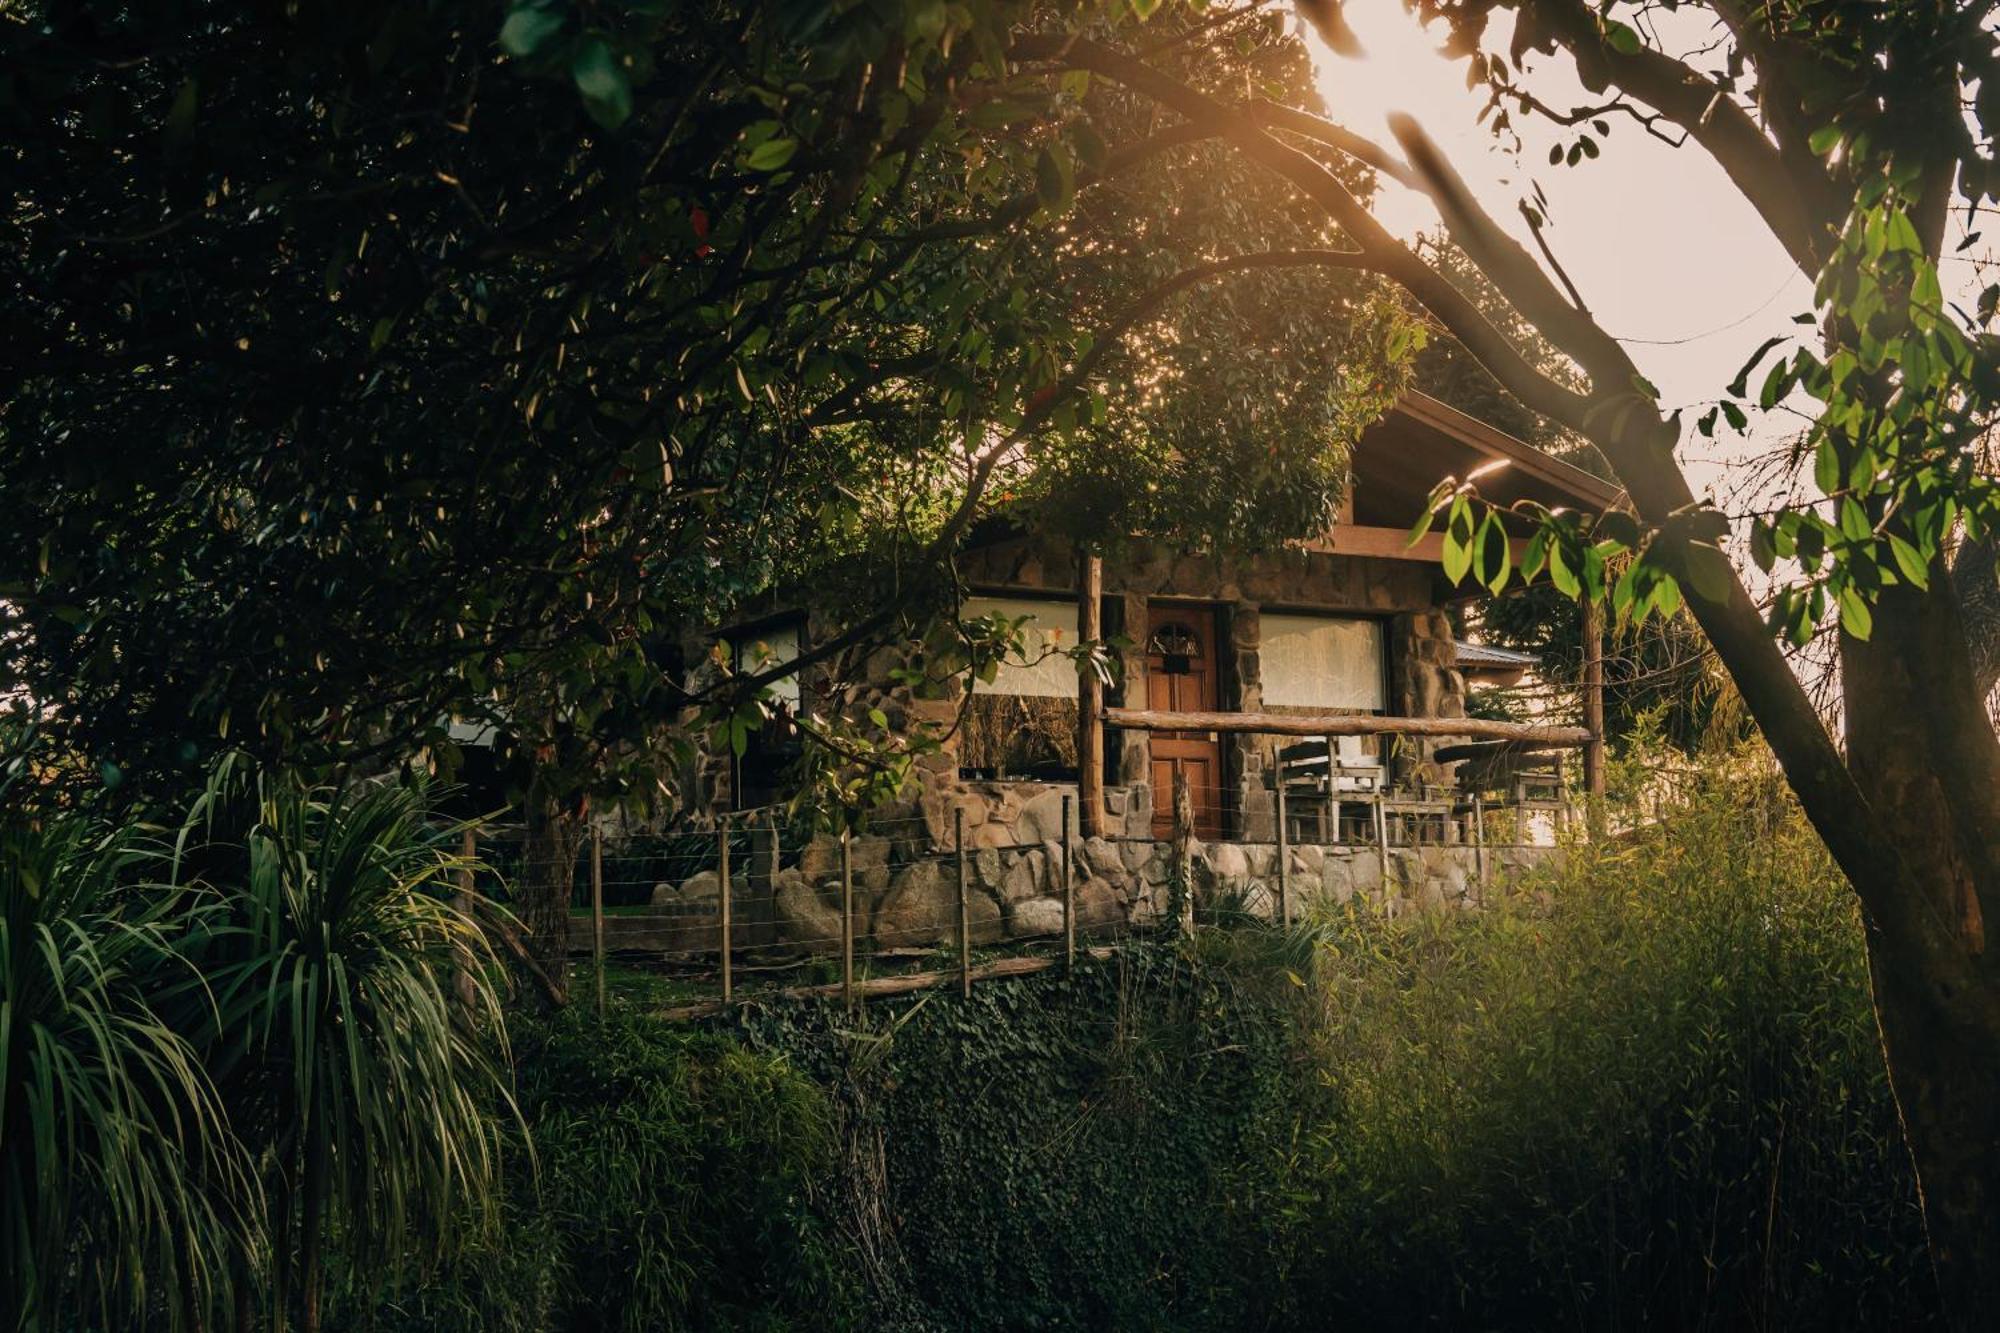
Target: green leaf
{"x": 1055, "y": 179}
{"x": 1824, "y": 139}
{"x": 607, "y": 93}
{"x": 1708, "y": 572}
{"x": 771, "y": 154}
{"x": 1855, "y": 617}
{"x": 1763, "y": 548}
{"x": 1560, "y": 573}
{"x": 527, "y": 28}
{"x": 1738, "y": 385}
{"x": 1621, "y": 37}
{"x": 1909, "y": 562}
{"x": 1854, "y": 523}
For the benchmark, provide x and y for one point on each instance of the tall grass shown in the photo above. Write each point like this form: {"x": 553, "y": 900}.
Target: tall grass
{"x": 1645, "y": 1091}
{"x": 369, "y": 1090}
{"x": 123, "y": 1192}
{"x": 221, "y": 1052}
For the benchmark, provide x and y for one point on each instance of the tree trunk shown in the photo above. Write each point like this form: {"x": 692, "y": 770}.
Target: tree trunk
{"x": 1920, "y": 748}
{"x": 1947, "y": 1084}
{"x": 554, "y": 834}
{"x": 312, "y": 1227}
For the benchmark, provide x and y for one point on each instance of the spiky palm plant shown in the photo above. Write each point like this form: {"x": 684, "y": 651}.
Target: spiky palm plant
{"x": 366, "y": 1086}
{"x": 122, "y": 1191}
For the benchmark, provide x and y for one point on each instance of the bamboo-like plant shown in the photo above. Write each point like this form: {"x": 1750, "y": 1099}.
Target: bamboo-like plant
{"x": 366, "y": 1086}
{"x": 123, "y": 1193}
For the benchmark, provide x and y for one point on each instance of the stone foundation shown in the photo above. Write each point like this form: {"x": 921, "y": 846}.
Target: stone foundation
{"x": 1015, "y": 891}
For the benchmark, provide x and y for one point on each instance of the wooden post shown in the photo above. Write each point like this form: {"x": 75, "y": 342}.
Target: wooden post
{"x": 597, "y": 910}
{"x": 1183, "y": 850}
{"x": 1479, "y": 839}
{"x": 1284, "y": 862}
{"x": 846, "y": 921}
{"x": 1069, "y": 891}
{"x": 462, "y": 901}
{"x": 1090, "y": 697}
{"x": 964, "y": 916}
{"x": 1332, "y": 777}
{"x": 727, "y": 936}
{"x": 1593, "y": 706}
{"x": 1382, "y": 841}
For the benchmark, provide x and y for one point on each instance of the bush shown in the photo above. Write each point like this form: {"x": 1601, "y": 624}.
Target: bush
{"x": 1064, "y": 1152}
{"x": 667, "y": 1188}
{"x": 1645, "y": 1092}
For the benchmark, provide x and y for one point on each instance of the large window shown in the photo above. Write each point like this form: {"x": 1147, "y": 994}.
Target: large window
{"x": 1043, "y": 669}
{"x": 1330, "y": 662}
{"x": 752, "y": 651}
{"x": 1022, "y": 724}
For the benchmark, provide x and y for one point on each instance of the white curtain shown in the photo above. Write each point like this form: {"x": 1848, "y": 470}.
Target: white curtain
{"x": 774, "y": 645}
{"x": 1044, "y": 670}
{"x": 1323, "y": 662}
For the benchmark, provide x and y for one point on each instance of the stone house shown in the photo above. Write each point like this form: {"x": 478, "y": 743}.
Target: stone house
{"x": 1356, "y": 621}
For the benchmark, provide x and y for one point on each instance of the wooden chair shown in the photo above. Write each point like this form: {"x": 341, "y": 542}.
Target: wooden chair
{"x": 1316, "y": 789}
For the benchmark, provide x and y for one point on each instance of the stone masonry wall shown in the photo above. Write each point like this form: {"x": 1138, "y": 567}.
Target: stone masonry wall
{"x": 908, "y": 900}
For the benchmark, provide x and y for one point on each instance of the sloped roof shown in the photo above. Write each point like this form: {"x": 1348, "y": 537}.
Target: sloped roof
{"x": 1486, "y": 655}
{"x": 1422, "y": 441}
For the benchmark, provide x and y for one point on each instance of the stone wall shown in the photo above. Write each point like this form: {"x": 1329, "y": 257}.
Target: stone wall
{"x": 1015, "y": 891}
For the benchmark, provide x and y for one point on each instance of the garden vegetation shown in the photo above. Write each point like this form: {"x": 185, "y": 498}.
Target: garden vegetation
{"x": 1640, "y": 1091}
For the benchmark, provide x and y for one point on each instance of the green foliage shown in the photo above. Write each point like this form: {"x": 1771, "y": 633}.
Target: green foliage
{"x": 122, "y": 1188}
{"x": 393, "y": 363}
{"x": 1643, "y": 1092}
{"x": 218, "y": 1050}
{"x": 668, "y": 1188}
{"x": 367, "y": 1090}
{"x": 1647, "y": 1094}
{"x": 1068, "y": 1152}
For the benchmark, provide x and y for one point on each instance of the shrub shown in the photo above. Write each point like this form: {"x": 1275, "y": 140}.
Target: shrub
{"x": 1645, "y": 1091}
{"x": 122, "y": 1189}
{"x": 668, "y": 1188}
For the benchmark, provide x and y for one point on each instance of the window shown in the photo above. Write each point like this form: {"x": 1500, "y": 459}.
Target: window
{"x": 761, "y": 649}
{"x": 1047, "y": 671}
{"x": 1023, "y": 724}
{"x": 1329, "y": 662}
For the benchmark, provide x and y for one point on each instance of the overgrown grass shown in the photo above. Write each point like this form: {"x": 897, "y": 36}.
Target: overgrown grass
{"x": 666, "y": 1189}
{"x": 1641, "y": 1092}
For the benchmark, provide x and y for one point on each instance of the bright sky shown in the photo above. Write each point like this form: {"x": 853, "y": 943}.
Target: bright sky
{"x": 1665, "y": 252}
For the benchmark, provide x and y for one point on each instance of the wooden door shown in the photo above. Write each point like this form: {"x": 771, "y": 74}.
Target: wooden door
{"x": 1183, "y": 674}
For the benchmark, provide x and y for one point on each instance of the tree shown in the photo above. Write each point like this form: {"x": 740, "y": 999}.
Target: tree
{"x": 370, "y": 366}
{"x": 1852, "y": 130}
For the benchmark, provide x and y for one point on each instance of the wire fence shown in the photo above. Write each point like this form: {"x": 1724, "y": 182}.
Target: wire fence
{"x": 758, "y": 903}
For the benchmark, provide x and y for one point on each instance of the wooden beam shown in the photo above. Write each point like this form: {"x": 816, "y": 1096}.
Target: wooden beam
{"x": 1345, "y": 724}
{"x": 1090, "y": 699}
{"x": 1390, "y": 544}
{"x": 878, "y": 986}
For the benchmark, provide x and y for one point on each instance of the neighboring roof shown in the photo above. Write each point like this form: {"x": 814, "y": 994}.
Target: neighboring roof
{"x": 1422, "y": 441}
{"x": 1485, "y": 655}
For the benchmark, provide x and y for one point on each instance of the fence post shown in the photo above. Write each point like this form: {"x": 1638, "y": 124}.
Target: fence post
{"x": 462, "y": 901}
{"x": 722, "y": 875}
{"x": 964, "y": 916}
{"x": 846, "y": 921}
{"x": 1479, "y": 840}
{"x": 1382, "y": 842}
{"x": 1284, "y": 861}
{"x": 1183, "y": 850}
{"x": 1069, "y": 891}
{"x": 597, "y": 909}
